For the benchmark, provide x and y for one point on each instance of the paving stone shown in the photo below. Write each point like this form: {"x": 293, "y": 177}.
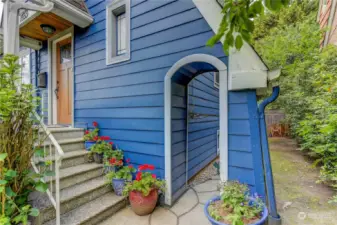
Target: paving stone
{"x": 185, "y": 203}
{"x": 162, "y": 216}
{"x": 216, "y": 177}
{"x": 210, "y": 185}
{"x": 205, "y": 196}
{"x": 126, "y": 217}
{"x": 195, "y": 217}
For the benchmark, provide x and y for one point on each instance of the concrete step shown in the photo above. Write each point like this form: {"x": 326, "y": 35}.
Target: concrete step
{"x": 70, "y": 159}
{"x": 67, "y": 145}
{"x": 93, "y": 212}
{"x": 71, "y": 198}
{"x": 78, "y": 174}
{"x": 61, "y": 133}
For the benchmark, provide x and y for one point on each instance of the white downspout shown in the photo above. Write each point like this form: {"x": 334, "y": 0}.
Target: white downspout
{"x": 11, "y": 22}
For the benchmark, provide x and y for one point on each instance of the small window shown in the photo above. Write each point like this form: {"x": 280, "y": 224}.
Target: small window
{"x": 216, "y": 80}
{"x": 24, "y": 61}
{"x": 118, "y": 32}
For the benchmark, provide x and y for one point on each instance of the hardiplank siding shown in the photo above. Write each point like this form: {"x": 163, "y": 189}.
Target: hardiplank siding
{"x": 127, "y": 99}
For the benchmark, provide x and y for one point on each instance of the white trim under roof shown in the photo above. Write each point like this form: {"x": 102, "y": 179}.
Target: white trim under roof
{"x": 246, "y": 69}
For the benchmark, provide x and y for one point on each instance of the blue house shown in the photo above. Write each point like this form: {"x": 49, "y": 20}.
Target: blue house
{"x": 140, "y": 68}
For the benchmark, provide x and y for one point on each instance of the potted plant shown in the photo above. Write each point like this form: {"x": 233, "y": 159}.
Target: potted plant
{"x": 112, "y": 160}
{"x": 236, "y": 207}
{"x": 143, "y": 191}
{"x": 91, "y": 137}
{"x": 119, "y": 178}
{"x": 98, "y": 149}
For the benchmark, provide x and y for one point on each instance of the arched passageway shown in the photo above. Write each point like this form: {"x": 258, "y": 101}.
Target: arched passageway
{"x": 176, "y": 81}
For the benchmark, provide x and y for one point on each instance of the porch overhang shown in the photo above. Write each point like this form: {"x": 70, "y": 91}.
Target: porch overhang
{"x": 61, "y": 17}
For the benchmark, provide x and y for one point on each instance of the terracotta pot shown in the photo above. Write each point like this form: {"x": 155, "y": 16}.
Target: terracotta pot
{"x": 143, "y": 205}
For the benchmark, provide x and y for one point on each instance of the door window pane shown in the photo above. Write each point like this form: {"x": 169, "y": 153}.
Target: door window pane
{"x": 65, "y": 53}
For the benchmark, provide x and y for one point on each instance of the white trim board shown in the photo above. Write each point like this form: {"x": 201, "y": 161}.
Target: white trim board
{"x": 223, "y": 91}
{"x": 52, "y": 101}
{"x": 246, "y": 69}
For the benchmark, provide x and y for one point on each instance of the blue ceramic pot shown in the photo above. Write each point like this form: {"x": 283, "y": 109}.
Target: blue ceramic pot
{"x": 214, "y": 222}
{"x": 88, "y": 144}
{"x": 118, "y": 186}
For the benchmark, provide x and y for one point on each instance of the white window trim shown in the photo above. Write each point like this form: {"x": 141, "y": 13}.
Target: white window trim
{"x": 216, "y": 84}
{"x": 111, "y": 35}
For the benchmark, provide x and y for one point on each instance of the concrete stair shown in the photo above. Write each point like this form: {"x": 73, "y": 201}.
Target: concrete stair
{"x": 85, "y": 198}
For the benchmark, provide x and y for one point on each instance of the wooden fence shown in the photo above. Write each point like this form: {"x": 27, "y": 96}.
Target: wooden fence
{"x": 276, "y": 125}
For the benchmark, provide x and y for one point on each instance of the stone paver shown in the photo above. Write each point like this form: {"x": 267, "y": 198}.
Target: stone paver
{"x": 185, "y": 203}
{"x": 126, "y": 217}
{"x": 210, "y": 185}
{"x": 195, "y": 217}
{"x": 162, "y": 216}
{"x": 205, "y": 196}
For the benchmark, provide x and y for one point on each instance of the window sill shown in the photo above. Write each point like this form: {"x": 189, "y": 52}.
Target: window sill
{"x": 118, "y": 59}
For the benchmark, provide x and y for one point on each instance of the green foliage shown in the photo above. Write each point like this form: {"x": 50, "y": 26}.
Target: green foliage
{"x": 100, "y": 147}
{"x": 290, "y": 39}
{"x": 237, "y": 22}
{"x": 18, "y": 136}
{"x": 123, "y": 173}
{"x": 144, "y": 183}
{"x": 113, "y": 158}
{"x": 238, "y": 204}
{"x": 90, "y": 135}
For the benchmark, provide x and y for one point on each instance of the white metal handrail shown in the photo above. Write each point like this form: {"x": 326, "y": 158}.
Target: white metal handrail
{"x": 58, "y": 156}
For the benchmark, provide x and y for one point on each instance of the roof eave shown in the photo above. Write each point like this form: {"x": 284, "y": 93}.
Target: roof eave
{"x": 72, "y": 14}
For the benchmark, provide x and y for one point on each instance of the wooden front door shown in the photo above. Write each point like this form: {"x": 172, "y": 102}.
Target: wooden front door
{"x": 64, "y": 82}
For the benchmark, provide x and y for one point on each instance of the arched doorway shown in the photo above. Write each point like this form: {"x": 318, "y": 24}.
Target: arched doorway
{"x": 181, "y": 73}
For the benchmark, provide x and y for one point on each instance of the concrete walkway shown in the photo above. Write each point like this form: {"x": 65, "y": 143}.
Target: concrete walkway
{"x": 188, "y": 210}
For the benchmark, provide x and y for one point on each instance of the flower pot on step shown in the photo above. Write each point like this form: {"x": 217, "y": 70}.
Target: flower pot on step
{"x": 118, "y": 186}
{"x": 88, "y": 144}
{"x": 262, "y": 221}
{"x": 98, "y": 158}
{"x": 143, "y": 205}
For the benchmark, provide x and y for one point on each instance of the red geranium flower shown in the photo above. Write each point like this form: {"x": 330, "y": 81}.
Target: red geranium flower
{"x": 130, "y": 166}
{"x": 139, "y": 176}
{"x": 112, "y": 161}
{"x": 142, "y": 167}
{"x": 150, "y": 167}
{"x": 154, "y": 176}
{"x": 96, "y": 138}
{"x": 95, "y": 124}
{"x": 86, "y": 132}
{"x": 111, "y": 143}
{"x": 120, "y": 162}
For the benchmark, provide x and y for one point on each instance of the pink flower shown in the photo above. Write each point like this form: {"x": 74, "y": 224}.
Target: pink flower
{"x": 154, "y": 176}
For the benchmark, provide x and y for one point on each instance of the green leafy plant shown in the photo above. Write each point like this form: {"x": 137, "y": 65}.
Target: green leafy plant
{"x": 114, "y": 158}
{"x": 237, "y": 204}
{"x": 123, "y": 173}
{"x": 18, "y": 138}
{"x": 237, "y": 23}
{"x": 101, "y": 146}
{"x": 145, "y": 182}
{"x": 91, "y": 135}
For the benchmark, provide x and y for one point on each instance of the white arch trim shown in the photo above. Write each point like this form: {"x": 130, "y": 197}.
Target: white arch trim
{"x": 223, "y": 92}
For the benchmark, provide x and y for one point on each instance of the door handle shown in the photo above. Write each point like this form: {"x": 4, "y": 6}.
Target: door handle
{"x": 56, "y": 91}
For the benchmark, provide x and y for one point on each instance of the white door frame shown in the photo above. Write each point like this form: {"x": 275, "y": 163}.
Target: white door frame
{"x": 52, "y": 71}
{"x": 223, "y": 91}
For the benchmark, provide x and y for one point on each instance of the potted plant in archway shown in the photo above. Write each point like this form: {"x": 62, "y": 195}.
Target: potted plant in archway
{"x": 101, "y": 146}
{"x": 143, "y": 192}
{"x": 91, "y": 136}
{"x": 236, "y": 207}
{"x": 118, "y": 178}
